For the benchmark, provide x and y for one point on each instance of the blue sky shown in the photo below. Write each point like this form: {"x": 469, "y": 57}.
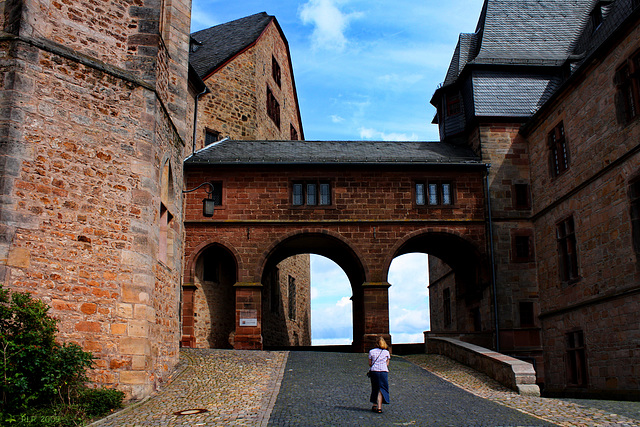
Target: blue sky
{"x": 364, "y": 70}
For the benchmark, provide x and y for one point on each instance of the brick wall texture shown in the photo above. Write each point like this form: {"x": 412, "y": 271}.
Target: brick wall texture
{"x": 594, "y": 190}
{"x": 372, "y": 220}
{"x": 237, "y": 108}
{"x": 88, "y": 134}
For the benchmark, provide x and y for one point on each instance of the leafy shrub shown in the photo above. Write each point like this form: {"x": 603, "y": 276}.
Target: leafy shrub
{"x": 41, "y": 381}
{"x": 100, "y": 401}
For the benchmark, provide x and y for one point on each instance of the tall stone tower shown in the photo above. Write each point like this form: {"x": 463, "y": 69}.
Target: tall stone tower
{"x": 94, "y": 124}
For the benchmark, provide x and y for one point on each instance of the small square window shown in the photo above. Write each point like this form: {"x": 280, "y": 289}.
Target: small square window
{"x": 211, "y": 136}
{"x": 433, "y": 193}
{"x": 311, "y": 193}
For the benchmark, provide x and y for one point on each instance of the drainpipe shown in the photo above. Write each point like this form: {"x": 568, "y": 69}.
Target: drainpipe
{"x": 493, "y": 260}
{"x": 195, "y": 118}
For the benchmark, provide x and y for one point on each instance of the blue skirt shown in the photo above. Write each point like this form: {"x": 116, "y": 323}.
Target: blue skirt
{"x": 379, "y": 383}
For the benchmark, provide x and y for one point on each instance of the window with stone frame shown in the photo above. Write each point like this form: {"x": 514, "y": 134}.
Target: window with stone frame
{"x": 294, "y": 132}
{"x": 275, "y": 71}
{"x": 433, "y": 193}
{"x": 521, "y": 246}
{"x": 273, "y": 107}
{"x": 567, "y": 250}
{"x": 211, "y": 136}
{"x": 527, "y": 319}
{"x": 559, "y": 155}
{"x": 311, "y": 193}
{"x": 627, "y": 80}
{"x": 576, "y": 359}
{"x": 521, "y": 196}
{"x": 634, "y": 202}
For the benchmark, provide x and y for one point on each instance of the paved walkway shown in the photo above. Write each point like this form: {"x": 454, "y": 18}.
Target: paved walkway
{"x": 259, "y": 388}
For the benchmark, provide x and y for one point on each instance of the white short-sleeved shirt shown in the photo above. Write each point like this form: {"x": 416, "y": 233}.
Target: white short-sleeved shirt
{"x": 379, "y": 358}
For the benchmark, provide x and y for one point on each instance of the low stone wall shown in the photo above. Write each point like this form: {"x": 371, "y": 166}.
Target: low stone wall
{"x": 513, "y": 373}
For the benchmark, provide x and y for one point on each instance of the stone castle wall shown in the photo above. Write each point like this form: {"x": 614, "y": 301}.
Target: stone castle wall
{"x": 594, "y": 190}
{"x": 88, "y": 139}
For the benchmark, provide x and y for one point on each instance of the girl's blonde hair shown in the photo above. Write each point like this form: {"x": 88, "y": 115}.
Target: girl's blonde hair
{"x": 382, "y": 343}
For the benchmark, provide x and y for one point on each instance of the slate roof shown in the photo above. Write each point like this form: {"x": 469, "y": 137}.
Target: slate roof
{"x": 229, "y": 152}
{"x": 531, "y": 32}
{"x": 516, "y": 55}
{"x": 220, "y": 43}
{"x": 466, "y": 50}
{"x": 511, "y": 94}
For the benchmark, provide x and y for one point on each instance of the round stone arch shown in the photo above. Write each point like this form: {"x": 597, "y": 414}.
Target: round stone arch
{"x": 464, "y": 291}
{"x": 190, "y": 264}
{"x": 208, "y": 296}
{"x": 322, "y": 242}
{"x": 325, "y": 243}
{"x": 450, "y": 246}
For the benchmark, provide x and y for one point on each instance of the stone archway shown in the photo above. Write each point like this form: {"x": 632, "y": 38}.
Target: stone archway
{"x": 208, "y": 299}
{"x": 275, "y": 321}
{"x": 459, "y": 291}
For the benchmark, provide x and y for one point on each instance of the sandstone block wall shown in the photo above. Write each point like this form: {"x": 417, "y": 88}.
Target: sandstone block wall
{"x": 372, "y": 216}
{"x": 603, "y": 158}
{"x": 237, "y": 108}
{"x": 237, "y": 104}
{"x": 90, "y": 146}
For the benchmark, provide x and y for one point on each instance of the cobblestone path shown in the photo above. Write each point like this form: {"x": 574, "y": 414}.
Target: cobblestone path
{"x": 563, "y": 412}
{"x": 331, "y": 389}
{"x": 235, "y": 387}
{"x": 260, "y": 388}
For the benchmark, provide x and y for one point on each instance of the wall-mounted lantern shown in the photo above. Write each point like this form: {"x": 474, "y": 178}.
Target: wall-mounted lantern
{"x": 208, "y": 203}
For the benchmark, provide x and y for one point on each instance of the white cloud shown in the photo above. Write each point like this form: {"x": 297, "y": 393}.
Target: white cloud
{"x": 344, "y": 302}
{"x": 372, "y": 134}
{"x": 329, "y": 22}
{"x": 336, "y": 119}
{"x": 201, "y": 18}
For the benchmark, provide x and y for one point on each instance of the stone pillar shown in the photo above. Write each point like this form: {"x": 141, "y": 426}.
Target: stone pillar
{"x": 248, "y": 335}
{"x": 376, "y": 313}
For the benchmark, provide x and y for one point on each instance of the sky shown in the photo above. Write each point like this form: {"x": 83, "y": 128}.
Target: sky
{"x": 364, "y": 70}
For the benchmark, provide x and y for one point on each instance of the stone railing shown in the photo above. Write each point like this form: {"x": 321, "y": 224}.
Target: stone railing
{"x": 511, "y": 372}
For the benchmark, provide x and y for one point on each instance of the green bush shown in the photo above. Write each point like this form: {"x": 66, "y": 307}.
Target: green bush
{"x": 100, "y": 401}
{"x": 42, "y": 381}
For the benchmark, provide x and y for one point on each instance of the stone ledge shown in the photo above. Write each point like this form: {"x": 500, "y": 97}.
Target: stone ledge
{"x": 511, "y": 372}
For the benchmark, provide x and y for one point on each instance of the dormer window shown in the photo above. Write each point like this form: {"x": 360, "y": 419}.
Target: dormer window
{"x": 453, "y": 105}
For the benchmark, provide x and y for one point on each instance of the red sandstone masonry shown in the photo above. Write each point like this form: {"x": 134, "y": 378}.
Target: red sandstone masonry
{"x": 82, "y": 167}
{"x": 597, "y": 303}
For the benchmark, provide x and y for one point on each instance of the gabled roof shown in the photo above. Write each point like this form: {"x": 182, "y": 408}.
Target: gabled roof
{"x": 228, "y": 152}
{"x": 466, "y": 50}
{"x": 219, "y": 44}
